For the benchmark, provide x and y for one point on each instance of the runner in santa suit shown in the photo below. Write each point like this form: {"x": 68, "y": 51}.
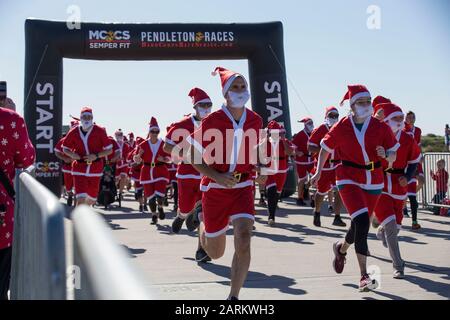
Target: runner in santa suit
{"x": 173, "y": 183}
{"x": 87, "y": 144}
{"x": 278, "y": 150}
{"x": 131, "y": 141}
{"x": 417, "y": 181}
{"x": 67, "y": 166}
{"x": 189, "y": 194}
{"x": 377, "y": 110}
{"x": 389, "y": 210}
{"x": 327, "y": 181}
{"x": 361, "y": 142}
{"x": 122, "y": 168}
{"x": 154, "y": 174}
{"x": 227, "y": 175}
{"x": 304, "y": 161}
{"x": 135, "y": 176}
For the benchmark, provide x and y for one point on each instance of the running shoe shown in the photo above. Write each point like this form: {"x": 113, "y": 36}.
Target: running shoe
{"x": 338, "y": 222}
{"x": 339, "y": 258}
{"x": 366, "y": 283}
{"x": 317, "y": 219}
{"x": 202, "y": 256}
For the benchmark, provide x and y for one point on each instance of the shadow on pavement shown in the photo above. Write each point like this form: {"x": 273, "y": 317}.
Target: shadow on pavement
{"x": 378, "y": 292}
{"x": 255, "y": 280}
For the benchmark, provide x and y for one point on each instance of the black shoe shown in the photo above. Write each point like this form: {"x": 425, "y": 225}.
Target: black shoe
{"x": 338, "y": 222}
{"x": 70, "y": 200}
{"x": 152, "y": 205}
{"x": 316, "y": 219}
{"x": 233, "y": 298}
{"x": 202, "y": 256}
{"x": 301, "y": 202}
{"x": 154, "y": 219}
{"x": 330, "y": 209}
{"x": 145, "y": 207}
{"x": 162, "y": 215}
{"x": 177, "y": 224}
{"x": 313, "y": 203}
{"x": 141, "y": 208}
{"x": 193, "y": 220}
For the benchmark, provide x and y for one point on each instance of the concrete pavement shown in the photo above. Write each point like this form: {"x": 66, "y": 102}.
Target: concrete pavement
{"x": 289, "y": 261}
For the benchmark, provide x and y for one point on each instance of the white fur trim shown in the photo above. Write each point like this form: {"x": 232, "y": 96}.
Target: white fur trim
{"x": 216, "y": 234}
{"x": 364, "y": 94}
{"x": 188, "y": 176}
{"x": 325, "y": 147}
{"x": 362, "y": 186}
{"x": 242, "y": 215}
{"x": 359, "y": 212}
{"x": 154, "y": 180}
{"x": 214, "y": 185}
{"x": 387, "y": 220}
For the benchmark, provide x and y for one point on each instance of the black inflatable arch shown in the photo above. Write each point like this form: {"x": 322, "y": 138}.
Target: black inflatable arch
{"x": 48, "y": 42}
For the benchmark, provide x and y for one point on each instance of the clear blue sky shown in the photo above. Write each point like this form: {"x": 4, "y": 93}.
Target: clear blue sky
{"x": 327, "y": 46}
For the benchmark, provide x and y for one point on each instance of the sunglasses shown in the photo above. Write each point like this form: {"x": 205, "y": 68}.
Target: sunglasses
{"x": 154, "y": 132}
{"x": 333, "y": 116}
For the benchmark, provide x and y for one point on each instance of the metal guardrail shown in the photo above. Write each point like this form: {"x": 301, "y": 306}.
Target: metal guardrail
{"x": 105, "y": 268}
{"x": 38, "y": 259}
{"x": 430, "y": 195}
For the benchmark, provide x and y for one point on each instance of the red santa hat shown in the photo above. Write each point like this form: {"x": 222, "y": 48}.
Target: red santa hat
{"x": 199, "y": 96}
{"x": 131, "y": 135}
{"x": 73, "y": 123}
{"x": 354, "y": 93}
{"x": 275, "y": 126}
{"x": 85, "y": 111}
{"x": 330, "y": 109}
{"x": 153, "y": 124}
{"x": 377, "y": 101}
{"x": 226, "y": 78}
{"x": 305, "y": 120}
{"x": 390, "y": 111}
{"x": 139, "y": 140}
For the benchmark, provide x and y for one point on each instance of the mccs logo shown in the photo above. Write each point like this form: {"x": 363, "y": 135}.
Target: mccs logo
{"x": 109, "y": 36}
{"x": 103, "y": 39}
{"x": 47, "y": 166}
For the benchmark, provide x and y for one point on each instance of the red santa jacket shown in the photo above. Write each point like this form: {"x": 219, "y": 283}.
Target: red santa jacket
{"x": 135, "y": 170}
{"x": 124, "y": 151}
{"x": 228, "y": 146}
{"x": 91, "y": 142}
{"x": 316, "y": 137}
{"x": 152, "y": 169}
{"x": 115, "y": 147}
{"x": 408, "y": 153}
{"x": 16, "y": 151}
{"x": 279, "y": 158}
{"x": 300, "y": 140}
{"x": 177, "y": 135}
{"x": 359, "y": 147}
{"x": 415, "y": 132}
{"x": 66, "y": 167}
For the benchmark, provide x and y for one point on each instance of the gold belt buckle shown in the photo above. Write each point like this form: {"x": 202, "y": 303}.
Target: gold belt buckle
{"x": 88, "y": 162}
{"x": 153, "y": 165}
{"x": 372, "y": 164}
{"x": 237, "y": 175}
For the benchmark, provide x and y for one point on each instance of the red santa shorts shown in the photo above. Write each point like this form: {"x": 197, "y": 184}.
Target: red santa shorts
{"x": 220, "y": 206}
{"x": 357, "y": 200}
{"x": 277, "y": 180}
{"x": 188, "y": 195}
{"x": 68, "y": 181}
{"x": 303, "y": 170}
{"x": 326, "y": 182}
{"x": 157, "y": 188}
{"x": 389, "y": 209}
{"x": 86, "y": 187}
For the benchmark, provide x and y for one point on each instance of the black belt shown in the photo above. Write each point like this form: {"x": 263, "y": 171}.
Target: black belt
{"x": 154, "y": 164}
{"x": 370, "y": 167}
{"x": 395, "y": 171}
{"x": 334, "y": 161}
